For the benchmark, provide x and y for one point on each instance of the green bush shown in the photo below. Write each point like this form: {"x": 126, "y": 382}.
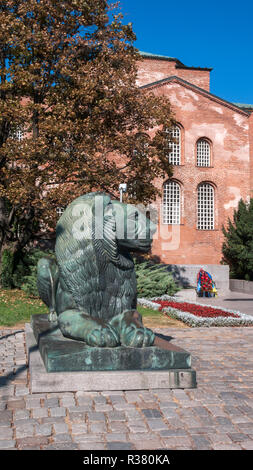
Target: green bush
{"x": 25, "y": 274}
{"x": 7, "y": 265}
{"x": 153, "y": 280}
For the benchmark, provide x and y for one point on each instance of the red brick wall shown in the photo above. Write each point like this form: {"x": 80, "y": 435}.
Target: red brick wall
{"x": 251, "y": 152}
{"x": 228, "y": 131}
{"x": 153, "y": 70}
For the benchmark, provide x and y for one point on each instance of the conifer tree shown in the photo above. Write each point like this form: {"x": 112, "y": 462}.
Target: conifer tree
{"x": 238, "y": 245}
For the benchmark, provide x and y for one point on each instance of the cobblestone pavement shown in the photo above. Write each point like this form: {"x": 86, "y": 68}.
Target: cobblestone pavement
{"x": 231, "y": 301}
{"x": 216, "y": 415}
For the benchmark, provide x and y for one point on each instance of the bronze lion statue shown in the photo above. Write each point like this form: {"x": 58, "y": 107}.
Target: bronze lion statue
{"x": 91, "y": 286}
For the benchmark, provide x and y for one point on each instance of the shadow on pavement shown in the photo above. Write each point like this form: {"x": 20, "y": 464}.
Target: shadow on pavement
{"x": 11, "y": 334}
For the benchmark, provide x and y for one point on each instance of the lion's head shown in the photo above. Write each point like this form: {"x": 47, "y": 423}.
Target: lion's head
{"x": 134, "y": 230}
{"x": 112, "y": 226}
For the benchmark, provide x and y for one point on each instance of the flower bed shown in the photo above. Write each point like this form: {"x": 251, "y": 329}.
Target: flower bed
{"x": 195, "y": 314}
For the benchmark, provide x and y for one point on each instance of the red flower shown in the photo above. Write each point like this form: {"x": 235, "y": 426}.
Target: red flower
{"x": 198, "y": 310}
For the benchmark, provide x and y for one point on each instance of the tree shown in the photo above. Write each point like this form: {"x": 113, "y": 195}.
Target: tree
{"x": 238, "y": 245}
{"x": 71, "y": 114}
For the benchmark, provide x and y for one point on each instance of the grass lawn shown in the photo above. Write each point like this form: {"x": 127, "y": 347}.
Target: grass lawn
{"x": 16, "y": 308}
{"x": 155, "y": 319}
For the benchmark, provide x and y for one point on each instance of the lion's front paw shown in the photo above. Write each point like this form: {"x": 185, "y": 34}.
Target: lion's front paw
{"x": 103, "y": 336}
{"x": 137, "y": 337}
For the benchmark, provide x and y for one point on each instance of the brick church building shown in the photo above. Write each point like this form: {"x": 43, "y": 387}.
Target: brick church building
{"x": 212, "y": 158}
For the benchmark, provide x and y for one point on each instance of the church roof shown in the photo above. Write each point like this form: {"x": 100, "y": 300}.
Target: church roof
{"x": 156, "y": 56}
{"x": 179, "y": 64}
{"x": 248, "y": 107}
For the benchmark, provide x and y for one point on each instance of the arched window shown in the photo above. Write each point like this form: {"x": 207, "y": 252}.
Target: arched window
{"x": 205, "y": 207}
{"x": 203, "y": 152}
{"x": 171, "y": 203}
{"x": 17, "y": 133}
{"x": 174, "y": 153}
{"x": 60, "y": 210}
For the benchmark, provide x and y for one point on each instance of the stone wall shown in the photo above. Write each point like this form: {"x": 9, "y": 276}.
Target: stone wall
{"x": 186, "y": 275}
{"x": 237, "y": 285}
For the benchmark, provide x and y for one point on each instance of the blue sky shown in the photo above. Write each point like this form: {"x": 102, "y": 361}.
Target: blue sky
{"x": 216, "y": 34}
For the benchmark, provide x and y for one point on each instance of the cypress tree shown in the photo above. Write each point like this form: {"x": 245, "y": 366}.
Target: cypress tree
{"x": 237, "y": 248}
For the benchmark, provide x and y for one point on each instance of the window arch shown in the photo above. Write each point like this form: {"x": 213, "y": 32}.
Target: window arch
{"x": 203, "y": 152}
{"x": 205, "y": 207}
{"x": 171, "y": 203}
{"x": 174, "y": 153}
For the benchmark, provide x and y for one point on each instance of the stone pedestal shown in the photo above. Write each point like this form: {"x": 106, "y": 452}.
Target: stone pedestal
{"x": 60, "y": 364}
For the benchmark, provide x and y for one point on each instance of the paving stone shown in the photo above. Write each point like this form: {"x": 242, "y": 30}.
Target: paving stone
{"x": 16, "y": 404}
{"x": 137, "y": 426}
{"x": 62, "y": 446}
{"x": 120, "y": 446}
{"x": 60, "y": 428}
{"x": 238, "y": 437}
{"x": 24, "y": 430}
{"x": 21, "y": 391}
{"x": 117, "y": 399}
{"x": 64, "y": 437}
{"x": 21, "y": 414}
{"x": 6, "y": 432}
{"x": 132, "y": 414}
{"x": 98, "y": 427}
{"x": 96, "y": 416}
{"x": 118, "y": 426}
{"x": 114, "y": 436}
{"x": 201, "y": 442}
{"x": 157, "y": 424}
{"x": 40, "y": 413}
{"x": 51, "y": 402}
{"x": 43, "y": 429}
{"x": 78, "y": 417}
{"x": 88, "y": 438}
{"x": 33, "y": 402}
{"x": 247, "y": 445}
{"x": 68, "y": 401}
{"x": 100, "y": 399}
{"x": 223, "y": 420}
{"x": 173, "y": 432}
{"x": 52, "y": 419}
{"x": 57, "y": 411}
{"x": 5, "y": 416}
{"x": 32, "y": 441}
{"x": 92, "y": 446}
{"x": 226, "y": 447}
{"x": 151, "y": 413}
{"x": 116, "y": 415}
{"x": 220, "y": 438}
{"x": 79, "y": 428}
{"x": 7, "y": 444}
{"x": 178, "y": 443}
{"x": 123, "y": 406}
{"x": 147, "y": 444}
{"x": 103, "y": 407}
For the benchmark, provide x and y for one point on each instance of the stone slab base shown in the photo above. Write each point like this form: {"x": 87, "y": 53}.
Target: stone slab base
{"x": 61, "y": 354}
{"x": 42, "y": 381}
